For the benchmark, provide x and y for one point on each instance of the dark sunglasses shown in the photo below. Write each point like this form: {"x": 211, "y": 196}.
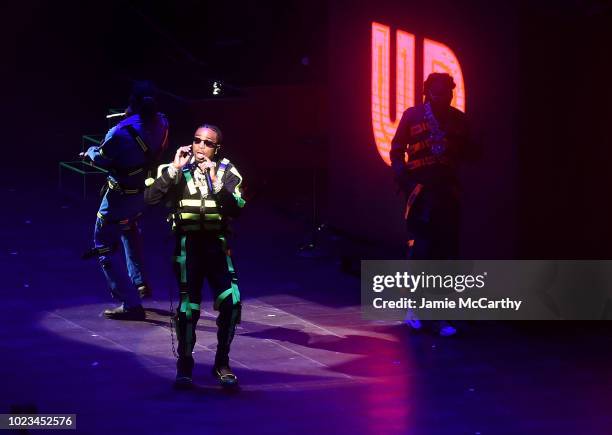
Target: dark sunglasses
{"x": 208, "y": 143}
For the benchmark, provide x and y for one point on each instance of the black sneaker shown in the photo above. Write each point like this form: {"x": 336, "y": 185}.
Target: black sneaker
{"x": 226, "y": 377}
{"x": 144, "y": 291}
{"x": 121, "y": 313}
{"x": 183, "y": 382}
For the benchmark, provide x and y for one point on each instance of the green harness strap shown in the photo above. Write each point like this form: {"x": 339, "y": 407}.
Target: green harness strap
{"x": 190, "y": 182}
{"x": 187, "y": 308}
{"x": 182, "y": 260}
{"x": 233, "y": 290}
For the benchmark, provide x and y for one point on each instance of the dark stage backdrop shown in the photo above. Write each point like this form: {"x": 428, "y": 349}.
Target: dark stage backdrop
{"x": 484, "y": 36}
{"x": 71, "y": 61}
{"x": 566, "y": 140}
{"x": 536, "y": 79}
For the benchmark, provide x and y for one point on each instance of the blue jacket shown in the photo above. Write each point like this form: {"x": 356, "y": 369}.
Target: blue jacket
{"x": 128, "y": 164}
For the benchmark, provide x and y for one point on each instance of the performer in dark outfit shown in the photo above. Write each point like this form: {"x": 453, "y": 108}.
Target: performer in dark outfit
{"x": 204, "y": 192}
{"x": 434, "y": 135}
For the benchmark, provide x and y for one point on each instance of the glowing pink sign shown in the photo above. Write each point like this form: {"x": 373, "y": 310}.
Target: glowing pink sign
{"x": 437, "y": 57}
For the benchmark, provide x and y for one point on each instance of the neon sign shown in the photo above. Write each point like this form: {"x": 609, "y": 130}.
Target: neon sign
{"x": 437, "y": 57}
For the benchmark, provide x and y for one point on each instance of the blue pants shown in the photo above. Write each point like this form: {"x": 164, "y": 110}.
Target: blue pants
{"x": 113, "y": 228}
{"x": 109, "y": 231}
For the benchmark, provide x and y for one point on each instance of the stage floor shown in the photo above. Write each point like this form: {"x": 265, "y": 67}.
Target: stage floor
{"x": 306, "y": 360}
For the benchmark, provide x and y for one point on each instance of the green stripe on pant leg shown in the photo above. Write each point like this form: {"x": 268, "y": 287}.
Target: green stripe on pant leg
{"x": 222, "y": 297}
{"x": 187, "y": 308}
{"x": 230, "y": 265}
{"x": 182, "y": 261}
{"x": 235, "y": 291}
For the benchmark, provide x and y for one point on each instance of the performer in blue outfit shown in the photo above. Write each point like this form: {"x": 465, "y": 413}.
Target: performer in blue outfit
{"x": 130, "y": 152}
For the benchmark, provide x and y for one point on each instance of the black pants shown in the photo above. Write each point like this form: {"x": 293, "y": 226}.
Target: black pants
{"x": 433, "y": 224}
{"x": 200, "y": 256}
